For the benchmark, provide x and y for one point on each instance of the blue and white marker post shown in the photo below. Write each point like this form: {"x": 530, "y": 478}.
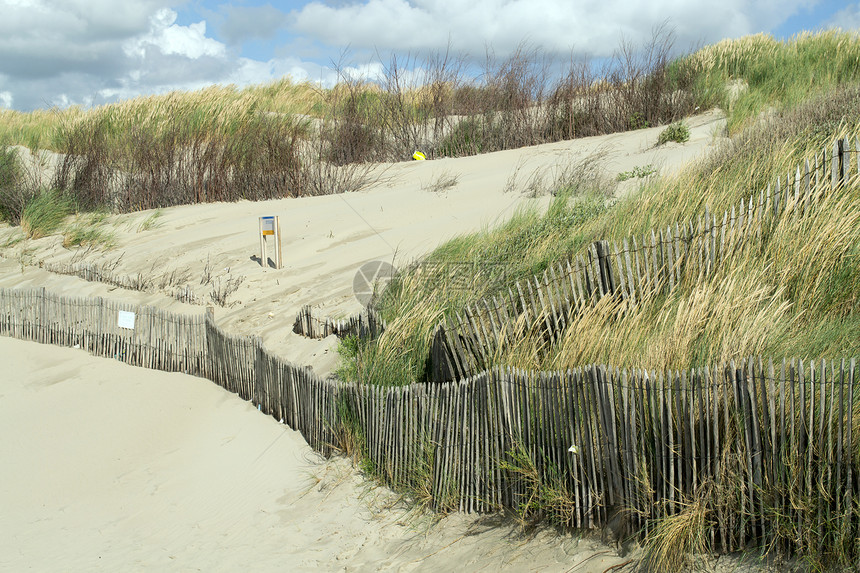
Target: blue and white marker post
{"x": 270, "y": 227}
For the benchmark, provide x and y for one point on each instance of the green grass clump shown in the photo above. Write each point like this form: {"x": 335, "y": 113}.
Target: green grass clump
{"x": 638, "y": 172}
{"x": 179, "y": 151}
{"x": 15, "y": 191}
{"x": 547, "y": 494}
{"x": 84, "y": 236}
{"x": 348, "y": 349}
{"x": 36, "y": 129}
{"x": 13, "y": 197}
{"x": 529, "y": 241}
{"x": 679, "y": 538}
{"x": 10, "y": 168}
{"x": 465, "y": 138}
{"x": 458, "y": 272}
{"x": 46, "y": 213}
{"x": 677, "y": 132}
{"x": 638, "y": 121}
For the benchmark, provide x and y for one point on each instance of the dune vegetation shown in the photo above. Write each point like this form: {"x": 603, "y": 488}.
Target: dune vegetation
{"x": 282, "y": 139}
{"x": 754, "y": 157}
{"x": 795, "y": 294}
{"x": 286, "y": 139}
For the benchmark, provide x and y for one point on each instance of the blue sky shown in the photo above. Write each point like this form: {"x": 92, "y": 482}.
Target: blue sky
{"x": 88, "y": 52}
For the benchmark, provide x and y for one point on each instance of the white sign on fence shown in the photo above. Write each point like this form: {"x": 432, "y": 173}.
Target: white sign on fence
{"x": 125, "y": 319}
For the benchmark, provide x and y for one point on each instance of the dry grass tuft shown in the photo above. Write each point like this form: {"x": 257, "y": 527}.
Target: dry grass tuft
{"x": 677, "y": 539}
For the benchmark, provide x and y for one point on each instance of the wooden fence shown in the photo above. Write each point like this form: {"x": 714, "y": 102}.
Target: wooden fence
{"x": 752, "y": 441}
{"x": 159, "y": 339}
{"x": 365, "y": 324}
{"x": 192, "y": 344}
{"x": 464, "y": 343}
{"x": 292, "y": 394}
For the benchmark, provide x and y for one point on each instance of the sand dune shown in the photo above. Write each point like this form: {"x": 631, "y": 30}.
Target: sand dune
{"x": 110, "y": 467}
{"x": 326, "y": 239}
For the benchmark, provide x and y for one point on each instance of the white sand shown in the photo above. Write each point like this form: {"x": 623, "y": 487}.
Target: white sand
{"x": 115, "y": 468}
{"x": 110, "y": 467}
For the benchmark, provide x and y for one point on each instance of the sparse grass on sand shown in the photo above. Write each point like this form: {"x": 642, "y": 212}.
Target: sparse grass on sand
{"x": 151, "y": 221}
{"x": 89, "y": 230}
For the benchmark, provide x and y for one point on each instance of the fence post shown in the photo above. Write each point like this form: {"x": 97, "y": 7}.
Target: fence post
{"x": 42, "y": 332}
{"x": 840, "y": 146}
{"x": 605, "y": 276}
{"x": 208, "y": 356}
{"x": 259, "y": 374}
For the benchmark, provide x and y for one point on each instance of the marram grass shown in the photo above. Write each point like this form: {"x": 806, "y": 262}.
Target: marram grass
{"x": 778, "y": 74}
{"x": 45, "y": 214}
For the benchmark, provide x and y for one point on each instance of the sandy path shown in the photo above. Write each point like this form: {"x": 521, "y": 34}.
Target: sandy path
{"x": 115, "y": 468}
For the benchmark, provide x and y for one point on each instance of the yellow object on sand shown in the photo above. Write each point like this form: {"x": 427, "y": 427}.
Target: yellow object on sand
{"x": 418, "y": 156}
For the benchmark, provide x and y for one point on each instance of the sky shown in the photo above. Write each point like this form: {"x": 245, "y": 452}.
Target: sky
{"x": 91, "y": 52}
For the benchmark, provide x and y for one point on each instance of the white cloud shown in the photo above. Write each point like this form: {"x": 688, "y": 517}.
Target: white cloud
{"x": 848, "y": 18}
{"x": 73, "y": 48}
{"x": 371, "y": 71}
{"x": 171, "y": 39}
{"x": 91, "y": 51}
{"x": 557, "y": 26}
{"x": 63, "y": 52}
{"x": 250, "y": 71}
